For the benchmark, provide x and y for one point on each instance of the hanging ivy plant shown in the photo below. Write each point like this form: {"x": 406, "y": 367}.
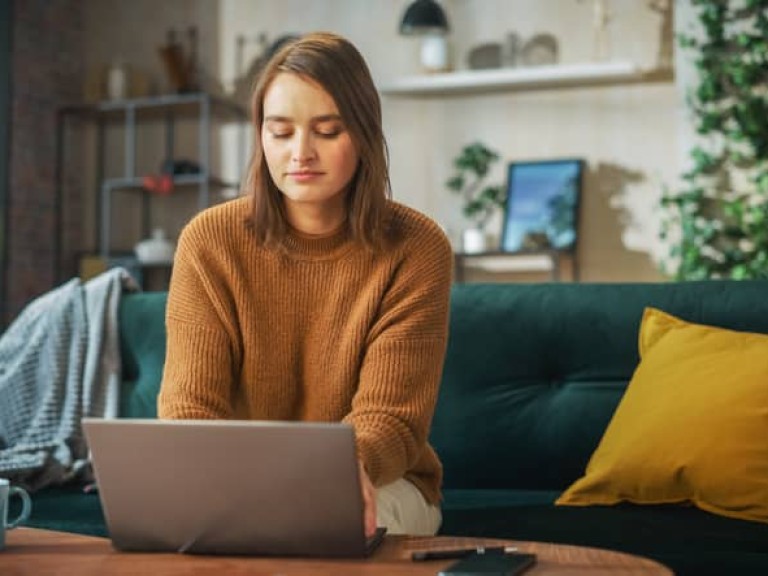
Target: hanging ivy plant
{"x": 717, "y": 225}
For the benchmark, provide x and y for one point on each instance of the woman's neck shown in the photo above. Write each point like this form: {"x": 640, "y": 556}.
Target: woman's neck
{"x": 316, "y": 221}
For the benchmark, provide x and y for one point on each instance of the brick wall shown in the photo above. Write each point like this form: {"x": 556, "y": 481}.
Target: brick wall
{"x": 47, "y": 71}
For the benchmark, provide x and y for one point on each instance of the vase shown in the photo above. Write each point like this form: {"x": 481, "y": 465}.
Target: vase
{"x": 117, "y": 82}
{"x": 155, "y": 250}
{"x": 474, "y": 241}
{"x": 434, "y": 54}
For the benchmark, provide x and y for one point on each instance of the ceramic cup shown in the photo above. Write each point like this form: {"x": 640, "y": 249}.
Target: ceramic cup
{"x": 6, "y": 492}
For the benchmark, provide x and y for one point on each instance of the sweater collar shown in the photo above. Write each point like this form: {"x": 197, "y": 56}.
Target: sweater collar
{"x": 312, "y": 246}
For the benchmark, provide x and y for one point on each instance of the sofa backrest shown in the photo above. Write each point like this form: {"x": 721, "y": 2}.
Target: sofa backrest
{"x": 534, "y": 372}
{"x": 532, "y": 375}
{"x": 142, "y": 350}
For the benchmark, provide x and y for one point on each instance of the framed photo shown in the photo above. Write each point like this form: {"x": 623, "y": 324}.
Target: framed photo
{"x": 542, "y": 205}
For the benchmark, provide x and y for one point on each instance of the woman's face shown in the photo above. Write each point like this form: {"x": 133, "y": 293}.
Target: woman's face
{"x": 309, "y": 153}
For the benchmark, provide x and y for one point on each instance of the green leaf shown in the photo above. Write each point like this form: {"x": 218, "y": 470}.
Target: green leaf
{"x": 455, "y": 183}
{"x": 719, "y": 235}
{"x": 472, "y": 166}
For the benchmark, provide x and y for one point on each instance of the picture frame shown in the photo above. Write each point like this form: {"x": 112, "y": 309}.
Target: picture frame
{"x": 541, "y": 210}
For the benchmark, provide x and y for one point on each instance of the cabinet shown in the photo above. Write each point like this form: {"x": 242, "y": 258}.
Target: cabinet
{"x": 132, "y": 116}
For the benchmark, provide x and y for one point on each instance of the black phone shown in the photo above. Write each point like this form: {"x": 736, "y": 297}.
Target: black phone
{"x": 491, "y": 564}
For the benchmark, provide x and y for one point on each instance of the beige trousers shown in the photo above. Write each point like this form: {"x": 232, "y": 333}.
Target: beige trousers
{"x": 402, "y": 509}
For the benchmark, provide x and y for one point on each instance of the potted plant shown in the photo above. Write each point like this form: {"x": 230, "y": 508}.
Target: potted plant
{"x": 717, "y": 225}
{"x": 480, "y": 199}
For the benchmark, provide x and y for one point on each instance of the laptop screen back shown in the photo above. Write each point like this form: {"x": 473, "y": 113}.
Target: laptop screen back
{"x": 229, "y": 487}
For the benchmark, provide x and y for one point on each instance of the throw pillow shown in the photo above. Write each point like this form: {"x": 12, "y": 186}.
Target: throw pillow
{"x": 692, "y": 426}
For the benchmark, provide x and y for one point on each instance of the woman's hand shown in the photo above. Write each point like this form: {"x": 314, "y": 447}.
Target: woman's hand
{"x": 369, "y": 501}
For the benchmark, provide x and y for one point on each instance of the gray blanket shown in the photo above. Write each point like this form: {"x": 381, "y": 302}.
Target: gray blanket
{"x": 59, "y": 362}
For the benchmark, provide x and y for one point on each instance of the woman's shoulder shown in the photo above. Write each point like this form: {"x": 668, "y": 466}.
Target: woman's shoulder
{"x": 413, "y": 226}
{"x": 423, "y": 252}
{"x": 231, "y": 216}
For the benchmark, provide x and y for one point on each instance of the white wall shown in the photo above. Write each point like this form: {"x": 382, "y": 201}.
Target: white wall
{"x": 630, "y": 134}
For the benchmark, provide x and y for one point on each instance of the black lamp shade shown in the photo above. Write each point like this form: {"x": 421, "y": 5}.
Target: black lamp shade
{"x": 424, "y": 17}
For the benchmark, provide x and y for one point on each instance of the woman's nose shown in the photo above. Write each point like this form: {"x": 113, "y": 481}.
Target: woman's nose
{"x": 303, "y": 150}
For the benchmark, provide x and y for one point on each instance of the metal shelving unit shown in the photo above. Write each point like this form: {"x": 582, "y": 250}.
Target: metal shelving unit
{"x": 131, "y": 114}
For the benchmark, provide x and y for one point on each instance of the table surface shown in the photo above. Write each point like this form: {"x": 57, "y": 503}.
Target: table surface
{"x": 30, "y": 551}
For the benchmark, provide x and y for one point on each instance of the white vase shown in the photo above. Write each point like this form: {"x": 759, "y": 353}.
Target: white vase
{"x": 155, "y": 250}
{"x": 434, "y": 54}
{"x": 474, "y": 241}
{"x": 117, "y": 82}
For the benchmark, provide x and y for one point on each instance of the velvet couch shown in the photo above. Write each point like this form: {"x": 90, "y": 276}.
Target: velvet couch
{"x": 532, "y": 377}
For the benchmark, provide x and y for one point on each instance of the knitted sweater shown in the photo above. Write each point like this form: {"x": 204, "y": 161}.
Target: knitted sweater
{"x": 324, "y": 331}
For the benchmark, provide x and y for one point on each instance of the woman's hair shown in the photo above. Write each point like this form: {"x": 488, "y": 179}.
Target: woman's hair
{"x": 335, "y": 64}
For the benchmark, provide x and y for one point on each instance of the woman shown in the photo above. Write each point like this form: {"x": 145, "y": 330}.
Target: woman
{"x": 316, "y": 297}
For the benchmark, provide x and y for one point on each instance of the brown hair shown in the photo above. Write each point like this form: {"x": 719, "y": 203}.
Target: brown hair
{"x": 337, "y": 66}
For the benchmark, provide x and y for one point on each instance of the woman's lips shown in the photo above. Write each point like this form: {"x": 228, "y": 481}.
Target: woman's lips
{"x": 304, "y": 176}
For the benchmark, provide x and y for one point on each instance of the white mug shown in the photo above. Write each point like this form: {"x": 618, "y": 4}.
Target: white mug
{"x": 6, "y": 491}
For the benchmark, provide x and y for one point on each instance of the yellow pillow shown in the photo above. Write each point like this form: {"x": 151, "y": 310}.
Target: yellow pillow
{"x": 691, "y": 427}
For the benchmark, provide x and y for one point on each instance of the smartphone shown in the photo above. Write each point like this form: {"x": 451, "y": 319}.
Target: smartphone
{"x": 491, "y": 564}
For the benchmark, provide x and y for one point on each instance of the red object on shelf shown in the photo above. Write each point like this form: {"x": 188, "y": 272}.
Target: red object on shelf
{"x": 158, "y": 184}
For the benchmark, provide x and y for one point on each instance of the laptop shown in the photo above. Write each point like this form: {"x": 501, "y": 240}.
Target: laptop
{"x": 230, "y": 487}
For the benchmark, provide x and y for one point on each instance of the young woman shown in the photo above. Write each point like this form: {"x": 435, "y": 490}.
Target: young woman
{"x": 316, "y": 297}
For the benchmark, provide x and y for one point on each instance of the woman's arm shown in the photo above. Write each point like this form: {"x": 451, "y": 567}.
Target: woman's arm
{"x": 402, "y": 366}
{"x": 201, "y": 352}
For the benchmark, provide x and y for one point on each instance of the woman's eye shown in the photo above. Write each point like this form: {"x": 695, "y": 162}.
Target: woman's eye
{"x": 279, "y": 135}
{"x": 330, "y": 134}
{"x": 329, "y": 129}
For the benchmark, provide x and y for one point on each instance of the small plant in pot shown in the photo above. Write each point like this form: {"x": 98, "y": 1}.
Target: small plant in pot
{"x": 481, "y": 200}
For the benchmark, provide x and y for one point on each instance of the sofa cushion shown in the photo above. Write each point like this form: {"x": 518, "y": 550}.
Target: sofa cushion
{"x": 489, "y": 499}
{"x": 534, "y": 372}
{"x": 142, "y": 349}
{"x": 692, "y": 426}
{"x": 686, "y": 539}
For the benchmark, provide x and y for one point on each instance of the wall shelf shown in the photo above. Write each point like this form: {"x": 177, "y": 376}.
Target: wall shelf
{"x": 506, "y": 79}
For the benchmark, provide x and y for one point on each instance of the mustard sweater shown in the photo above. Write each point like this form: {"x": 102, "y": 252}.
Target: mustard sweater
{"x": 325, "y": 331}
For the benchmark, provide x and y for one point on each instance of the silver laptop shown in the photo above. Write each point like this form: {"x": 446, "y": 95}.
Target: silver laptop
{"x": 230, "y": 487}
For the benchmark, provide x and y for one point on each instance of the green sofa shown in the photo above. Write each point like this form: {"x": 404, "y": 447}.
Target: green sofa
{"x": 532, "y": 377}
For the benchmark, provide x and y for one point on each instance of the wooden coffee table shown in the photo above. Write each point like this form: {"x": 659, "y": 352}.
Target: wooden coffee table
{"x": 42, "y": 552}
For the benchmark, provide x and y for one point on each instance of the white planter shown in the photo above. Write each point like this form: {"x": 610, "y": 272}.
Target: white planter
{"x": 474, "y": 241}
